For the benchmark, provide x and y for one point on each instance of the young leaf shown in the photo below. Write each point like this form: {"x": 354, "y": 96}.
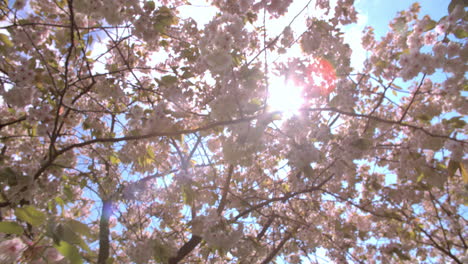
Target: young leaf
{"x": 69, "y": 251}
{"x": 79, "y": 227}
{"x": 30, "y": 215}
{"x": 66, "y": 233}
{"x": 460, "y": 33}
{"x": 6, "y": 40}
{"x": 11, "y": 228}
{"x": 464, "y": 173}
{"x": 431, "y": 24}
{"x": 168, "y": 80}
{"x": 114, "y": 159}
{"x": 453, "y": 167}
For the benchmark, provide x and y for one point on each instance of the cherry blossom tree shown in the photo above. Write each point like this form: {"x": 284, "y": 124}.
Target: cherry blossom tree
{"x": 130, "y": 133}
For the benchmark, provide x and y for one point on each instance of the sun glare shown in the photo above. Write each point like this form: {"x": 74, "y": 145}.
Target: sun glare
{"x": 285, "y": 97}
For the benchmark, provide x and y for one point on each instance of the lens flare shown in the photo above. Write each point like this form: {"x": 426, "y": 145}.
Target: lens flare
{"x": 321, "y": 78}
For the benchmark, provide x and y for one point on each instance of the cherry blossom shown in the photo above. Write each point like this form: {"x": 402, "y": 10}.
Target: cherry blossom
{"x": 133, "y": 132}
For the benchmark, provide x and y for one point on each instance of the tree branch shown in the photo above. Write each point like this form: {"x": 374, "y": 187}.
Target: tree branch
{"x": 104, "y": 232}
{"x": 277, "y": 249}
{"x": 222, "y": 203}
{"x": 186, "y": 249}
{"x": 392, "y": 122}
{"x": 12, "y": 122}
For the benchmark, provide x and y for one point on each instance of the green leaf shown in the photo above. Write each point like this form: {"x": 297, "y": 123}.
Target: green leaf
{"x": 460, "y": 33}
{"x": 400, "y": 254}
{"x": 237, "y": 59}
{"x": 66, "y": 233}
{"x": 79, "y": 227}
{"x": 32, "y": 132}
{"x": 464, "y": 173}
{"x": 190, "y": 54}
{"x": 61, "y": 4}
{"x": 114, "y": 67}
{"x": 441, "y": 166}
{"x": 457, "y": 122}
{"x": 6, "y": 5}
{"x": 83, "y": 183}
{"x": 23, "y": 21}
{"x": 6, "y": 40}
{"x": 168, "y": 80}
{"x": 30, "y": 215}
{"x": 187, "y": 75}
{"x": 11, "y": 228}
{"x": 421, "y": 176}
{"x": 114, "y": 160}
{"x": 159, "y": 28}
{"x": 362, "y": 143}
{"x": 179, "y": 138}
{"x": 453, "y": 167}
{"x": 164, "y": 10}
{"x": 465, "y": 87}
{"x": 150, "y": 5}
{"x": 424, "y": 118}
{"x": 256, "y": 101}
{"x": 188, "y": 195}
{"x": 60, "y": 202}
{"x": 9, "y": 175}
{"x": 164, "y": 43}
{"x": 68, "y": 193}
{"x": 69, "y": 251}
{"x": 251, "y": 17}
{"x": 431, "y": 24}
{"x": 381, "y": 64}
{"x": 150, "y": 152}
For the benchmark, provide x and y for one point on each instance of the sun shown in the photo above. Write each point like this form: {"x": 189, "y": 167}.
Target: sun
{"x": 284, "y": 96}
{"x": 315, "y": 81}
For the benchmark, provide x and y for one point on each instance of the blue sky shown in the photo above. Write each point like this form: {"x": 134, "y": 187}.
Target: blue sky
{"x": 376, "y": 13}
{"x": 380, "y": 12}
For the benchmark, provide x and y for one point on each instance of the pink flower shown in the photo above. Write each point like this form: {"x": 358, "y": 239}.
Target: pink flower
{"x": 430, "y": 38}
{"x": 453, "y": 49}
{"x": 439, "y": 49}
{"x": 10, "y": 250}
{"x": 441, "y": 28}
{"x": 52, "y": 255}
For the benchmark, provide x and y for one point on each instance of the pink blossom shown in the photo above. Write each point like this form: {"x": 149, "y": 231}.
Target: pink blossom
{"x": 430, "y": 38}
{"x": 52, "y": 255}
{"x": 441, "y": 28}
{"x": 439, "y": 49}
{"x": 453, "y": 49}
{"x": 10, "y": 250}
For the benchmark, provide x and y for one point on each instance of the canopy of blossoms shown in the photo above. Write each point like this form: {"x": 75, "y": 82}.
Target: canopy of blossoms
{"x": 130, "y": 133}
